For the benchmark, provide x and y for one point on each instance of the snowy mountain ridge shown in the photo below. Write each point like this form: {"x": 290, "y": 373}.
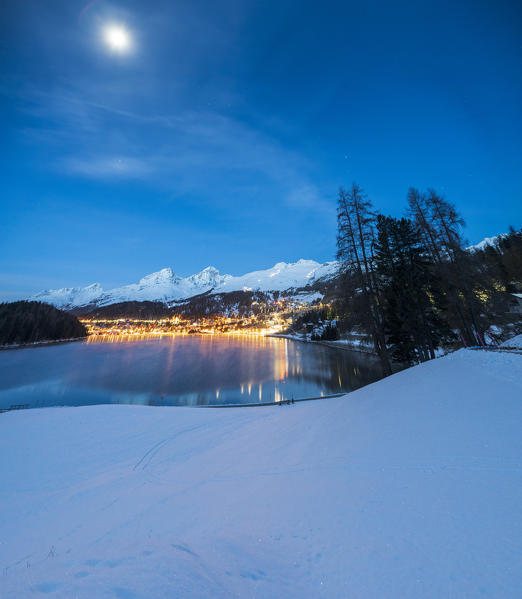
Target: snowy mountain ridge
{"x": 486, "y": 242}
{"x": 166, "y": 286}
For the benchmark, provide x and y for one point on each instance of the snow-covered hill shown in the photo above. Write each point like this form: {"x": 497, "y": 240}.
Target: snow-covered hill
{"x": 166, "y": 286}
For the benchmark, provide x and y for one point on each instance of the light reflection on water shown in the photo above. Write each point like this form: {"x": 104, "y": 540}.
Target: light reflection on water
{"x": 179, "y": 370}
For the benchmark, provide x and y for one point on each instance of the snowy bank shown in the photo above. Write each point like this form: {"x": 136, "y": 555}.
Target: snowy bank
{"x": 410, "y": 487}
{"x": 515, "y": 342}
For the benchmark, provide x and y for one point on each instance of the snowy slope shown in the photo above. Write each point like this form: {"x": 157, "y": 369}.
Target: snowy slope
{"x": 165, "y": 285}
{"x": 486, "y": 242}
{"x": 408, "y": 488}
{"x": 513, "y": 342}
{"x": 70, "y": 296}
{"x": 281, "y": 276}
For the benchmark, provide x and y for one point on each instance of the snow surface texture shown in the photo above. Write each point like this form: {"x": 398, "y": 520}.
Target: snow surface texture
{"x": 513, "y": 342}
{"x": 166, "y": 286}
{"x": 407, "y": 488}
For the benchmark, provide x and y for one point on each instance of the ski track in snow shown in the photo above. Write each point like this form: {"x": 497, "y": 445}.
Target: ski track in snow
{"x": 407, "y": 488}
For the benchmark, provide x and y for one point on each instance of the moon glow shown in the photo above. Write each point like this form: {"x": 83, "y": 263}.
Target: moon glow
{"x": 117, "y": 38}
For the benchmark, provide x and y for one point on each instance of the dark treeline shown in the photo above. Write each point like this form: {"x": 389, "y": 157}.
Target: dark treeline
{"x": 136, "y": 310}
{"x": 411, "y": 284}
{"x": 233, "y": 303}
{"x": 28, "y": 322}
{"x": 314, "y": 317}
{"x": 320, "y": 322}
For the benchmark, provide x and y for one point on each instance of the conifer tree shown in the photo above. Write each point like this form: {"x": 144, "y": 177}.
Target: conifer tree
{"x": 413, "y": 323}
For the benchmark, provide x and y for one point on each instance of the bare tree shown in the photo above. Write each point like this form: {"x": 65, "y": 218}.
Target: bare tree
{"x": 355, "y": 239}
{"x": 441, "y": 227}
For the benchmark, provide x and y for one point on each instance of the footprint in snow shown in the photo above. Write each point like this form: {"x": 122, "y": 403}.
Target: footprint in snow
{"x": 122, "y": 593}
{"x": 92, "y": 562}
{"x": 184, "y": 549}
{"x": 48, "y": 587}
{"x": 257, "y": 575}
{"x": 81, "y": 574}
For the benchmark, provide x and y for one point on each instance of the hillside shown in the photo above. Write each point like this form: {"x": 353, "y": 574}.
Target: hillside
{"x": 407, "y": 488}
{"x": 30, "y": 322}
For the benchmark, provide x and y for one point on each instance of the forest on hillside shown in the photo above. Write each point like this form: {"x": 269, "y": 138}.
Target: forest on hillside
{"x": 29, "y": 322}
{"x": 234, "y": 303}
{"x": 136, "y": 310}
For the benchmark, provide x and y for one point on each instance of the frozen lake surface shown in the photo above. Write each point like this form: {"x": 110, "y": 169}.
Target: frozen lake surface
{"x": 191, "y": 370}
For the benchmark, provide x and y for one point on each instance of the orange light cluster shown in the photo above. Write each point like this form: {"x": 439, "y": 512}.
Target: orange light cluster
{"x": 269, "y": 319}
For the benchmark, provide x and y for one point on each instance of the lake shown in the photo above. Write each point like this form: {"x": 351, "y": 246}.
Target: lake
{"x": 180, "y": 370}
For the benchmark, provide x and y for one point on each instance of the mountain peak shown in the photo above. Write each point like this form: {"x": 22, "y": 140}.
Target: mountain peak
{"x": 301, "y": 262}
{"x": 209, "y": 277}
{"x": 486, "y": 242}
{"x": 165, "y": 275}
{"x": 166, "y": 286}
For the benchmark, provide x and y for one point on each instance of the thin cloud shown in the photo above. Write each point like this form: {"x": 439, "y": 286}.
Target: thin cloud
{"x": 308, "y": 197}
{"x": 108, "y": 167}
{"x": 183, "y": 152}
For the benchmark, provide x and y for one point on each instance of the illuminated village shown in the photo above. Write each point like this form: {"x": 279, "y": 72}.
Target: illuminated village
{"x": 271, "y": 318}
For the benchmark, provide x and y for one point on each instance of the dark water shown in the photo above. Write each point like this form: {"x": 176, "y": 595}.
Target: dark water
{"x": 192, "y": 370}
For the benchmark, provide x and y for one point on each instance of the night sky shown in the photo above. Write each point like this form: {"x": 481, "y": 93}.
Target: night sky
{"x": 218, "y": 132}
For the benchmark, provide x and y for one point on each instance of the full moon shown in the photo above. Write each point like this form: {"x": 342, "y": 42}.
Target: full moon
{"x": 117, "y": 38}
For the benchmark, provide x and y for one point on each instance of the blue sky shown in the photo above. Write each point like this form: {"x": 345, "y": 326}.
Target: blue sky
{"x": 223, "y": 135}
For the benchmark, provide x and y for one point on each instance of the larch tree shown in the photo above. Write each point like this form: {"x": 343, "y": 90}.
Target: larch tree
{"x": 355, "y": 240}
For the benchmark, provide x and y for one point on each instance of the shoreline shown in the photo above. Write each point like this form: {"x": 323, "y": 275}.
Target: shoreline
{"x": 42, "y": 343}
{"x": 331, "y": 344}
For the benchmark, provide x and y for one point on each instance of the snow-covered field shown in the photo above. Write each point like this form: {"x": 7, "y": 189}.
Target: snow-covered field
{"x": 410, "y": 487}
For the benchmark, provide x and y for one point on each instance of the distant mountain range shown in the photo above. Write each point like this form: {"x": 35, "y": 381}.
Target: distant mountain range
{"x": 166, "y": 286}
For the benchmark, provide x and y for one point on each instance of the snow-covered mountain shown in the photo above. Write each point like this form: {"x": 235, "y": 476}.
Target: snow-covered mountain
{"x": 486, "y": 242}
{"x": 280, "y": 277}
{"x": 166, "y": 286}
{"x": 70, "y": 296}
